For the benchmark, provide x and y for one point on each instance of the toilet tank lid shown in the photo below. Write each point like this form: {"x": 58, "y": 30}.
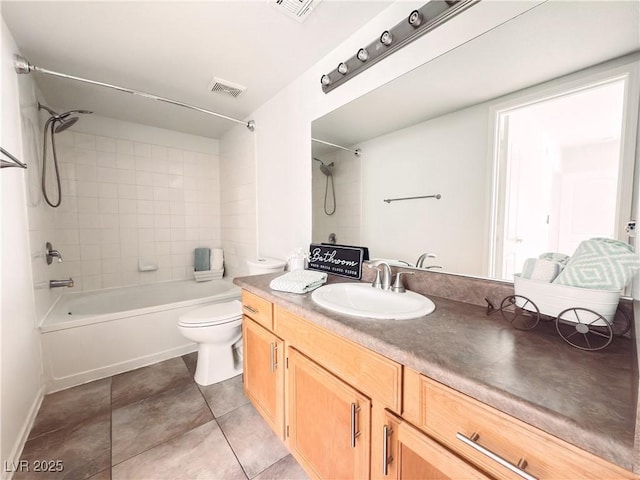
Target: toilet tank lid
{"x": 266, "y": 262}
{"x": 212, "y": 314}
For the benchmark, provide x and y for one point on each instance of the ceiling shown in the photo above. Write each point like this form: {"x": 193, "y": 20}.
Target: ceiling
{"x": 553, "y": 39}
{"x": 174, "y": 49}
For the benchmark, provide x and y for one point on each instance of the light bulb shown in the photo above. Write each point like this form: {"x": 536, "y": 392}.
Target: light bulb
{"x": 363, "y": 55}
{"x": 415, "y": 19}
{"x": 386, "y": 38}
{"x": 325, "y": 80}
{"x": 343, "y": 69}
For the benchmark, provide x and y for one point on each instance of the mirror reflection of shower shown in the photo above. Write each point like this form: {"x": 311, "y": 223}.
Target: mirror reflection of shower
{"x": 57, "y": 122}
{"x": 327, "y": 171}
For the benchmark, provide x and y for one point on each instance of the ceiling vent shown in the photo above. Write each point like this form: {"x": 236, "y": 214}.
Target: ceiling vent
{"x": 298, "y": 9}
{"x": 225, "y": 87}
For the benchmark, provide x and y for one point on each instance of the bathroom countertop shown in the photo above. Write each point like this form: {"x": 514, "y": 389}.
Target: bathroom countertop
{"x": 584, "y": 398}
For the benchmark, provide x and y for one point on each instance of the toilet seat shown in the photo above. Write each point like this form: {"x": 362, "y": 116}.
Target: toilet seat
{"x": 216, "y": 314}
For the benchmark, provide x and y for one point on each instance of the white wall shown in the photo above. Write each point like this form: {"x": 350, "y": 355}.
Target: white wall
{"x": 130, "y": 192}
{"x": 238, "y": 199}
{"x": 20, "y": 358}
{"x": 283, "y": 125}
{"x": 446, "y": 156}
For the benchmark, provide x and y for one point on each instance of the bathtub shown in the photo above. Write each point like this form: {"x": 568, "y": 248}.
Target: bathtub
{"x": 92, "y": 335}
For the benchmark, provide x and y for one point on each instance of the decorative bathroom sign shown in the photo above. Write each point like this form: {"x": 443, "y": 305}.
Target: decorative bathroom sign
{"x": 337, "y": 259}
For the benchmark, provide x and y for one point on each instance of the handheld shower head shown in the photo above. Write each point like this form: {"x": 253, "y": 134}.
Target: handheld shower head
{"x": 64, "y": 123}
{"x": 325, "y": 169}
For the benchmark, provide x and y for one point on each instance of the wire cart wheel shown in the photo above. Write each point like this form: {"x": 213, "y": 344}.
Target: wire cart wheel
{"x": 523, "y": 317}
{"x": 578, "y": 327}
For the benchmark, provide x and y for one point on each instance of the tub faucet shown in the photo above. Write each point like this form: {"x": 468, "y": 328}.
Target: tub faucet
{"x": 383, "y": 276}
{"x": 61, "y": 283}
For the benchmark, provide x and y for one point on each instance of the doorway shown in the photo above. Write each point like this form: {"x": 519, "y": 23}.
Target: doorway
{"x": 559, "y": 164}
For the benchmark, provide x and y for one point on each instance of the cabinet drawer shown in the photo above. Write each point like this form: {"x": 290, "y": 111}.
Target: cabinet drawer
{"x": 371, "y": 373}
{"x": 258, "y": 309}
{"x": 450, "y": 417}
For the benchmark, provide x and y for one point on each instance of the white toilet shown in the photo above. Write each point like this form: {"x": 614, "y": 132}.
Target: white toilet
{"x": 259, "y": 266}
{"x": 217, "y": 329}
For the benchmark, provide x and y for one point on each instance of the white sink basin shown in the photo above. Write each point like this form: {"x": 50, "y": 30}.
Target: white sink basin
{"x": 362, "y": 300}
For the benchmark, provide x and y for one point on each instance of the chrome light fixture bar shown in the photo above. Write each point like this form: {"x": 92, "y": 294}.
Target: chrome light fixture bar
{"x": 420, "y": 21}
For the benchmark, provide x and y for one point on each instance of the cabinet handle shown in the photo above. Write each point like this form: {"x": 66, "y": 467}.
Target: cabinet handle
{"x": 386, "y": 458}
{"x": 517, "y": 469}
{"x": 354, "y": 434}
{"x": 250, "y": 308}
{"x": 273, "y": 356}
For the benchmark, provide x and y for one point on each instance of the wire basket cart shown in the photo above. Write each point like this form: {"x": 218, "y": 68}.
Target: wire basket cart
{"x": 585, "y": 318}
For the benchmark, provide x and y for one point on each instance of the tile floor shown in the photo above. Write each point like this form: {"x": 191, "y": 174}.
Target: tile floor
{"x": 156, "y": 423}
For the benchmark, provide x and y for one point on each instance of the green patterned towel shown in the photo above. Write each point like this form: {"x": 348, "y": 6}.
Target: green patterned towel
{"x": 600, "y": 263}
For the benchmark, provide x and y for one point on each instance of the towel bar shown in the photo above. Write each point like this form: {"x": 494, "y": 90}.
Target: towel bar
{"x": 14, "y": 161}
{"x": 436, "y": 196}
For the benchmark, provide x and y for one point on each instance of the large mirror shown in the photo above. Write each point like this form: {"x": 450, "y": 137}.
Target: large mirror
{"x": 518, "y": 142}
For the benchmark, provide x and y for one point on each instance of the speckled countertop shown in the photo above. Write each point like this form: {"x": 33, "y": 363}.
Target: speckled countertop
{"x": 584, "y": 398}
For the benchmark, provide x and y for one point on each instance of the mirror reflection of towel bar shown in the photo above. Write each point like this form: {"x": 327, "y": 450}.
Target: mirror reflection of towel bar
{"x": 14, "y": 161}
{"x": 436, "y": 196}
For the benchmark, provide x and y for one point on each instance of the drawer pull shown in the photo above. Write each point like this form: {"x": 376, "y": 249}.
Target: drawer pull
{"x": 273, "y": 355}
{"x": 250, "y": 308}
{"x": 354, "y": 434}
{"x": 517, "y": 469}
{"x": 386, "y": 458}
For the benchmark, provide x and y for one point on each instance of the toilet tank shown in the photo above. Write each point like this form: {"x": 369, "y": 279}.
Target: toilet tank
{"x": 258, "y": 266}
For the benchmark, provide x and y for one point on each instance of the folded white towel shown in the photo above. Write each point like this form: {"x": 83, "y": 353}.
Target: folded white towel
{"x": 541, "y": 269}
{"x": 217, "y": 258}
{"x": 299, "y": 281}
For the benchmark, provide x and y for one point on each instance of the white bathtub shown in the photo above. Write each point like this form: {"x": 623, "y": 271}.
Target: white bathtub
{"x": 93, "y": 335}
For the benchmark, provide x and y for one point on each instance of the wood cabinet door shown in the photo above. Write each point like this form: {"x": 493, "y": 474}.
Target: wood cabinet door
{"x": 409, "y": 454}
{"x": 264, "y": 373}
{"x": 329, "y": 421}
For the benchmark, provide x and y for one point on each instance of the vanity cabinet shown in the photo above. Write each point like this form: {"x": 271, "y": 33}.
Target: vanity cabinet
{"x": 408, "y": 453}
{"x": 494, "y": 441}
{"x": 263, "y": 373}
{"x": 328, "y": 421}
{"x": 345, "y": 411}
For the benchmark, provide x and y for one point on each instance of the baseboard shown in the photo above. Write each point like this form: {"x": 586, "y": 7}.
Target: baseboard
{"x": 62, "y": 383}
{"x": 9, "y": 465}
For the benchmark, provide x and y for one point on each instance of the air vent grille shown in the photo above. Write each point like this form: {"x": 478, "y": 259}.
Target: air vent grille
{"x": 225, "y": 87}
{"x": 298, "y": 9}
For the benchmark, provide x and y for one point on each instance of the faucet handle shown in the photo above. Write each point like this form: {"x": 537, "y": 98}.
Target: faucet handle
{"x": 398, "y": 287}
{"x": 377, "y": 283}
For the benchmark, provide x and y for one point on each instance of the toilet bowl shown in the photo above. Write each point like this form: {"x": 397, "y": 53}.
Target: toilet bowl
{"x": 258, "y": 266}
{"x": 217, "y": 329}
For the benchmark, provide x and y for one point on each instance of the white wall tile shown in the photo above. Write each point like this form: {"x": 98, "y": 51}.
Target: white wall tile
{"x": 124, "y": 146}
{"x": 123, "y": 199}
{"x": 105, "y": 144}
{"x": 142, "y": 149}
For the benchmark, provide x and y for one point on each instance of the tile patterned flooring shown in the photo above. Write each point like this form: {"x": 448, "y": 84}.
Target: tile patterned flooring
{"x": 156, "y": 423}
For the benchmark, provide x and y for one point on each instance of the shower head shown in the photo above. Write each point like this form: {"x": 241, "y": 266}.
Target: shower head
{"x": 325, "y": 169}
{"x": 64, "y": 123}
{"x": 63, "y": 119}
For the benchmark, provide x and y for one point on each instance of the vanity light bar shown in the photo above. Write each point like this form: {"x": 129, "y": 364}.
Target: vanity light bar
{"x": 420, "y": 21}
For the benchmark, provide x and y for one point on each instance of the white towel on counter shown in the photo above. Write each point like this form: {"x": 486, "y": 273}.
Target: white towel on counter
{"x": 298, "y": 281}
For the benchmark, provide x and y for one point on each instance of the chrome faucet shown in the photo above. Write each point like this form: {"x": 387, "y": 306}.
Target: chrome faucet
{"x": 398, "y": 287}
{"x": 421, "y": 259}
{"x": 51, "y": 254}
{"x": 383, "y": 276}
{"x": 61, "y": 283}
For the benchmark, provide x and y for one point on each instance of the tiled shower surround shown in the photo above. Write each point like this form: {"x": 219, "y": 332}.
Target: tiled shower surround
{"x": 125, "y": 200}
